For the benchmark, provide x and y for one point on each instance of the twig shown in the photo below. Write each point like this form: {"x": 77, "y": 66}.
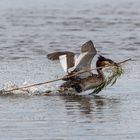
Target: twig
{"x": 124, "y": 61}
{"x": 68, "y": 76}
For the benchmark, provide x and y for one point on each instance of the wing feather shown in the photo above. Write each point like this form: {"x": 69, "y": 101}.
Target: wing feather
{"x": 88, "y": 51}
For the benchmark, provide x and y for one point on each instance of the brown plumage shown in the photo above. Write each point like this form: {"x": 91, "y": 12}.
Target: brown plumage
{"x": 89, "y": 82}
{"x": 69, "y": 55}
{"x": 86, "y": 80}
{"x": 55, "y": 55}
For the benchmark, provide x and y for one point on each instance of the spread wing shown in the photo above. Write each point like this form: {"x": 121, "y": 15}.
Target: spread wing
{"x": 84, "y": 60}
{"x": 88, "y": 51}
{"x": 55, "y": 55}
{"x": 67, "y": 62}
{"x": 67, "y": 59}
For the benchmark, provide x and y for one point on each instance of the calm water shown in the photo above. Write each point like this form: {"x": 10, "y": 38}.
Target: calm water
{"x": 29, "y": 29}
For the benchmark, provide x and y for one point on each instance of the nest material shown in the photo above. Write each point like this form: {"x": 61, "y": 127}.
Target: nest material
{"x": 116, "y": 72}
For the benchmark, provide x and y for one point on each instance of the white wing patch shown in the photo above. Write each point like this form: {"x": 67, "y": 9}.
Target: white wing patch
{"x": 79, "y": 59}
{"x": 63, "y": 62}
{"x": 72, "y": 68}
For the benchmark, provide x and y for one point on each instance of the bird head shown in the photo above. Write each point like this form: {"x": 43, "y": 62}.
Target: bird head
{"x": 102, "y": 61}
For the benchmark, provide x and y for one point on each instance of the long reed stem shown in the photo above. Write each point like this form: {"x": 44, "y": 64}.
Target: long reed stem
{"x": 61, "y": 78}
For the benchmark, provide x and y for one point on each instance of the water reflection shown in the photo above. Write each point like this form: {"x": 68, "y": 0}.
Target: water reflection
{"x": 30, "y": 30}
{"x": 90, "y": 105}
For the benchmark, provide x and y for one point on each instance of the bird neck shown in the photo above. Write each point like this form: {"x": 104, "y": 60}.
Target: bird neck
{"x": 100, "y": 72}
{"x": 99, "y": 65}
{"x": 99, "y": 69}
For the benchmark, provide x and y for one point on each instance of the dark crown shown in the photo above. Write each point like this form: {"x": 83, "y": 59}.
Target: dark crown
{"x": 101, "y": 58}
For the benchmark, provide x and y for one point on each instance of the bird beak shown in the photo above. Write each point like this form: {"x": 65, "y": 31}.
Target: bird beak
{"x": 110, "y": 62}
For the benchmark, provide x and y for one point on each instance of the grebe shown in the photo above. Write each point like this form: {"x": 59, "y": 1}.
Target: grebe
{"x": 86, "y": 80}
{"x": 91, "y": 81}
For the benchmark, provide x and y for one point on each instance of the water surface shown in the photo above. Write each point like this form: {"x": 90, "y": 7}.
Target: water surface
{"x": 31, "y": 29}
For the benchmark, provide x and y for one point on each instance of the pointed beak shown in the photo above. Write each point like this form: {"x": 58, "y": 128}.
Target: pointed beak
{"x": 114, "y": 63}
{"x": 109, "y": 62}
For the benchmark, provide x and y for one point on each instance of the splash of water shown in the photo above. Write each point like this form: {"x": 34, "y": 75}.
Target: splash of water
{"x": 36, "y": 90}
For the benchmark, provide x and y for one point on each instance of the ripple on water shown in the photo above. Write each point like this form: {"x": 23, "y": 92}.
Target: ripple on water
{"x": 31, "y": 29}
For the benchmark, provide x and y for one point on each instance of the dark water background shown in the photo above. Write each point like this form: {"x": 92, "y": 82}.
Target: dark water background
{"x": 29, "y": 29}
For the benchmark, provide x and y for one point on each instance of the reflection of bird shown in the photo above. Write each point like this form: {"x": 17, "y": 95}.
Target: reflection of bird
{"x": 83, "y": 81}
